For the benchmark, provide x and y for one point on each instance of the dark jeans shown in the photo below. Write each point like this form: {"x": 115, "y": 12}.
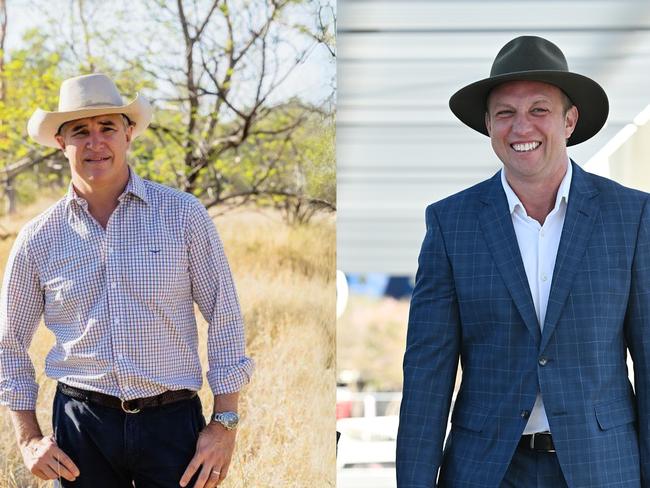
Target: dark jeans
{"x": 114, "y": 449}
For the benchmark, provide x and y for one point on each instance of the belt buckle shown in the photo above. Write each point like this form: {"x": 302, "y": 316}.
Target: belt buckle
{"x": 532, "y": 443}
{"x": 125, "y": 409}
{"x": 551, "y": 450}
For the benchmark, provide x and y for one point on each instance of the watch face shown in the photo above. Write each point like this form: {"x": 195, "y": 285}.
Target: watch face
{"x": 228, "y": 419}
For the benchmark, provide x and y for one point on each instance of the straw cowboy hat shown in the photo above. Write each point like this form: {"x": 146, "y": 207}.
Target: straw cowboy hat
{"x": 532, "y": 58}
{"x": 87, "y": 96}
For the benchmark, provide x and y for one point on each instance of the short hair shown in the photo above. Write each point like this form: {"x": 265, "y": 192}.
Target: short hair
{"x": 567, "y": 103}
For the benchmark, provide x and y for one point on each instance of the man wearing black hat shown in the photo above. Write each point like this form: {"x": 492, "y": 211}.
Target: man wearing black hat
{"x": 538, "y": 279}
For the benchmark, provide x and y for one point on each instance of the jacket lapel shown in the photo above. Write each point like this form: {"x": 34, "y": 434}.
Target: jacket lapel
{"x": 496, "y": 223}
{"x": 578, "y": 225}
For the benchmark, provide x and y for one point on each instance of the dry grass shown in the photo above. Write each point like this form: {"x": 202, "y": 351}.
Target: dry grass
{"x": 285, "y": 279}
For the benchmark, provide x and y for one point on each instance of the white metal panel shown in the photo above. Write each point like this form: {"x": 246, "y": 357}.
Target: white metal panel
{"x": 399, "y": 147}
{"x": 481, "y": 15}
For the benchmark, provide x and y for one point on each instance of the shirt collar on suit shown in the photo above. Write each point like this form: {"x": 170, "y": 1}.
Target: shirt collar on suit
{"x": 562, "y": 191}
{"x": 135, "y": 186}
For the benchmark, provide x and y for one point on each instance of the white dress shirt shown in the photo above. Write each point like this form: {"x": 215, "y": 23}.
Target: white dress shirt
{"x": 538, "y": 245}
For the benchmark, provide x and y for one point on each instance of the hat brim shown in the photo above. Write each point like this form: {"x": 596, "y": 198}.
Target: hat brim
{"x": 43, "y": 126}
{"x": 469, "y": 104}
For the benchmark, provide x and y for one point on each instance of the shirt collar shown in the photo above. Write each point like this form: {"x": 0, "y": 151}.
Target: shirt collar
{"x": 135, "y": 186}
{"x": 562, "y": 191}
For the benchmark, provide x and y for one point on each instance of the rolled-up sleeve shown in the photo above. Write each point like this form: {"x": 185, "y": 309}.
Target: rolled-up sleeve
{"x": 21, "y": 308}
{"x": 214, "y": 292}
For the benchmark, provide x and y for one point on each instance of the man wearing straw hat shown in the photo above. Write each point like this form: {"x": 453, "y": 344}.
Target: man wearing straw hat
{"x": 114, "y": 269}
{"x": 538, "y": 280}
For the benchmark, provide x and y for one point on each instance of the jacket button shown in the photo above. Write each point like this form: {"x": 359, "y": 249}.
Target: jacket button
{"x": 542, "y": 361}
{"x": 525, "y": 414}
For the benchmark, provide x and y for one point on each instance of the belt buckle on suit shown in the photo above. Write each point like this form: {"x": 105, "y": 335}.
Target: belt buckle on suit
{"x": 532, "y": 442}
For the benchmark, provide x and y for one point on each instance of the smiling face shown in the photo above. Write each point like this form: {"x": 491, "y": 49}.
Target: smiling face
{"x": 96, "y": 149}
{"x": 529, "y": 123}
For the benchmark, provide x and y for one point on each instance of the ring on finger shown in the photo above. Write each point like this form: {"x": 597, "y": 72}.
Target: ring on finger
{"x": 214, "y": 471}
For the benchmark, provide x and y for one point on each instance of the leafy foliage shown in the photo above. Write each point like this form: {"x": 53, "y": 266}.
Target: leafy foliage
{"x": 223, "y": 129}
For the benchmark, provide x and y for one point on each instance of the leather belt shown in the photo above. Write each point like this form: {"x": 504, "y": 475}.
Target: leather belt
{"x": 128, "y": 406}
{"x": 540, "y": 442}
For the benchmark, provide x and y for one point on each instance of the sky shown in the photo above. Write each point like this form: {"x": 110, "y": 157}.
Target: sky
{"x": 311, "y": 81}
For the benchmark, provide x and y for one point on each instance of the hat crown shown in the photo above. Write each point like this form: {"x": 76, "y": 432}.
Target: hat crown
{"x": 87, "y": 91}
{"x": 528, "y": 53}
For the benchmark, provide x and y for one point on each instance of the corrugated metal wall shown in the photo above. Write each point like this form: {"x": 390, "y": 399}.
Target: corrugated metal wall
{"x": 398, "y": 145}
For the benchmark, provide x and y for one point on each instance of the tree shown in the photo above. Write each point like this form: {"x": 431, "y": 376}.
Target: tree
{"x": 235, "y": 57}
{"x": 215, "y": 71}
{"x": 296, "y": 174}
{"x": 30, "y": 80}
{"x": 3, "y": 34}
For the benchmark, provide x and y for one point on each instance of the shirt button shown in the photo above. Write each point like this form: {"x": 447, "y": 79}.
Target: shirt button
{"x": 541, "y": 232}
{"x": 120, "y": 356}
{"x": 544, "y": 277}
{"x": 117, "y": 322}
{"x": 114, "y": 284}
{"x": 543, "y": 361}
{"x": 525, "y": 414}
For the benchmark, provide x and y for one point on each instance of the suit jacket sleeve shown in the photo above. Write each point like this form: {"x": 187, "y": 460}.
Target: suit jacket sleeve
{"x": 430, "y": 363}
{"x": 637, "y": 329}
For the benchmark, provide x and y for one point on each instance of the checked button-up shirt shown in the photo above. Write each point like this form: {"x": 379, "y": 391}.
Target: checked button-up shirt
{"x": 120, "y": 300}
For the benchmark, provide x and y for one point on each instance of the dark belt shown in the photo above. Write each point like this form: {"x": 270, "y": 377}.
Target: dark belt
{"x": 128, "y": 406}
{"x": 541, "y": 442}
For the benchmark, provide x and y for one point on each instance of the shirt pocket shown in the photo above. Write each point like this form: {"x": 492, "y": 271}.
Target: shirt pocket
{"x": 604, "y": 279}
{"x": 71, "y": 284}
{"x": 157, "y": 270}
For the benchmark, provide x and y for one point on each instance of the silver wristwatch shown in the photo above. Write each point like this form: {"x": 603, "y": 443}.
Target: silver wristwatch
{"x": 228, "y": 419}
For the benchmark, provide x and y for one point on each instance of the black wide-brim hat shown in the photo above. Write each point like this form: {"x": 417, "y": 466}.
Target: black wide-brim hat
{"x": 533, "y": 58}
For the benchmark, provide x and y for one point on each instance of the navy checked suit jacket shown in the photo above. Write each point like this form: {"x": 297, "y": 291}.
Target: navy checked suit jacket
{"x": 472, "y": 301}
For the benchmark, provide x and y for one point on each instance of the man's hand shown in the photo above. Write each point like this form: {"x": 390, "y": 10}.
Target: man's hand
{"x": 213, "y": 453}
{"x": 46, "y": 460}
{"x": 41, "y": 454}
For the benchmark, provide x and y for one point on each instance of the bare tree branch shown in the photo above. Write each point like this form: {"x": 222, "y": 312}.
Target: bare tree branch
{"x": 174, "y": 135}
{"x": 86, "y": 36}
{"x": 269, "y": 193}
{"x": 25, "y": 163}
{"x": 200, "y": 30}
